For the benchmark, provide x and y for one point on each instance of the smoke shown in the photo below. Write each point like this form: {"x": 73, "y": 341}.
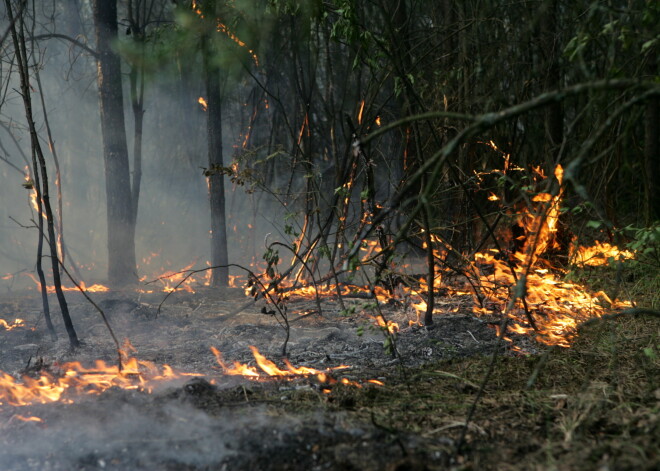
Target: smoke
{"x": 116, "y": 431}
{"x": 173, "y": 215}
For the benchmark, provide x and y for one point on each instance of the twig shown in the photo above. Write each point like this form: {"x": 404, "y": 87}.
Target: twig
{"x": 103, "y": 316}
{"x": 74, "y": 41}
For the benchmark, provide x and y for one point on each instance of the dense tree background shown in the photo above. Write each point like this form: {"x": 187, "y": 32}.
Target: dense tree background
{"x": 300, "y": 84}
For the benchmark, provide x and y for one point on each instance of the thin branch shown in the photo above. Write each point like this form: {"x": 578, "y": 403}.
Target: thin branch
{"x": 74, "y": 41}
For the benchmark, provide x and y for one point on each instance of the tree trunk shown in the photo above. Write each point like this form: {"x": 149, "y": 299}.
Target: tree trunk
{"x": 42, "y": 197}
{"x": 652, "y": 146}
{"x": 652, "y": 159}
{"x": 550, "y": 50}
{"x": 121, "y": 226}
{"x": 219, "y": 257}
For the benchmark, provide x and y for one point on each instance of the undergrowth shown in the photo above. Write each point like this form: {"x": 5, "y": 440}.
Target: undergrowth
{"x": 592, "y": 406}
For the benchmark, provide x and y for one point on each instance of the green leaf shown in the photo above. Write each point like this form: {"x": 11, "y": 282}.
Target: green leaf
{"x": 594, "y": 224}
{"x": 650, "y": 353}
{"x": 649, "y": 44}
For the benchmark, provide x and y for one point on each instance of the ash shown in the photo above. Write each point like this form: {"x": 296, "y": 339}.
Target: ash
{"x": 209, "y": 422}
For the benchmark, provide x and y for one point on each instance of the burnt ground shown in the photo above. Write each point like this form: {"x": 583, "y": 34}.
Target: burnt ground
{"x": 220, "y": 422}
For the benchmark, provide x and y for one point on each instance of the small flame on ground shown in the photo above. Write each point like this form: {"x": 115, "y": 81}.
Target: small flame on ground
{"x": 599, "y": 254}
{"x": 391, "y": 326}
{"x": 15, "y": 324}
{"x": 73, "y": 378}
{"x": 23, "y": 418}
{"x": 270, "y": 369}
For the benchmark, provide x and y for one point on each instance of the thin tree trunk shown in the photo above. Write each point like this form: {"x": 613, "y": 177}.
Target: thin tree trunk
{"x": 121, "y": 225}
{"x": 40, "y": 249}
{"x": 219, "y": 256}
{"x": 652, "y": 148}
{"x": 136, "y": 78}
{"x": 550, "y": 49}
{"x": 21, "y": 60}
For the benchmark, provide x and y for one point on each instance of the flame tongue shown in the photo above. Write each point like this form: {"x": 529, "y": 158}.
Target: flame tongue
{"x": 268, "y": 367}
{"x": 69, "y": 379}
{"x": 15, "y": 324}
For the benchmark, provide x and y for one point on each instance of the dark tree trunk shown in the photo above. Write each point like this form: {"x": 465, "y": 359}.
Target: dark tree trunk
{"x": 652, "y": 144}
{"x": 137, "y": 23}
{"x": 42, "y": 197}
{"x": 219, "y": 257}
{"x": 652, "y": 159}
{"x": 121, "y": 224}
{"x": 550, "y": 50}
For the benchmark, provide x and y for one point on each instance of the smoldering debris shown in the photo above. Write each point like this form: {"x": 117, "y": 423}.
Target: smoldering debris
{"x": 193, "y": 424}
{"x": 177, "y": 430}
{"x": 119, "y": 430}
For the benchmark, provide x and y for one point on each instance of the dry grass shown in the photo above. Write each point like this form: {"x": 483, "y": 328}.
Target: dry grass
{"x": 592, "y": 406}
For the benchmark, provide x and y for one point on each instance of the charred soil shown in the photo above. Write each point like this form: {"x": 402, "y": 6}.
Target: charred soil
{"x": 591, "y": 406}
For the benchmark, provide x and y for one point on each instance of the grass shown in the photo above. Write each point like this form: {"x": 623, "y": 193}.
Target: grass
{"x": 595, "y": 405}
{"x": 592, "y": 406}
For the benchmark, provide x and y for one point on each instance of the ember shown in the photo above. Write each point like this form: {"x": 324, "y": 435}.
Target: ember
{"x": 202, "y": 102}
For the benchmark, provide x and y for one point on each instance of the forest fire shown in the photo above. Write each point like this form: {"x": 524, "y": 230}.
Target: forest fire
{"x": 63, "y": 382}
{"x": 202, "y": 102}
{"x": 268, "y": 368}
{"x": 95, "y": 288}
{"x": 599, "y": 254}
{"x": 16, "y": 323}
{"x": 310, "y": 185}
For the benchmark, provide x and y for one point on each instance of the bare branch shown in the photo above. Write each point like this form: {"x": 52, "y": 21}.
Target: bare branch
{"x": 74, "y": 41}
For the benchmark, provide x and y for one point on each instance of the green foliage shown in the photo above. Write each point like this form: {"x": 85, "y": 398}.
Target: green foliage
{"x": 272, "y": 258}
{"x": 609, "y": 36}
{"x": 646, "y": 244}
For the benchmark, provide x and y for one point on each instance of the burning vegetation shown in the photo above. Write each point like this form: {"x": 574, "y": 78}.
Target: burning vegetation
{"x": 339, "y": 228}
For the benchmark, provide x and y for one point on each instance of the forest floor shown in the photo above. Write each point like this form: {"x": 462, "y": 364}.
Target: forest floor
{"x": 592, "y": 406}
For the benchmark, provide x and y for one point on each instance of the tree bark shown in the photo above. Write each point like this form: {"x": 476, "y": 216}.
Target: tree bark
{"x": 550, "y": 49}
{"x": 42, "y": 197}
{"x": 652, "y": 146}
{"x": 652, "y": 159}
{"x": 121, "y": 224}
{"x": 219, "y": 256}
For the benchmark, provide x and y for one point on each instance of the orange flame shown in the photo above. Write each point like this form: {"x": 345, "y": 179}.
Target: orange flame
{"x": 599, "y": 254}
{"x": 391, "y": 326}
{"x": 23, "y": 418}
{"x": 95, "y": 288}
{"x": 268, "y": 367}
{"x": 202, "y": 101}
{"x": 360, "y": 112}
{"x": 15, "y": 324}
{"x": 70, "y": 379}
